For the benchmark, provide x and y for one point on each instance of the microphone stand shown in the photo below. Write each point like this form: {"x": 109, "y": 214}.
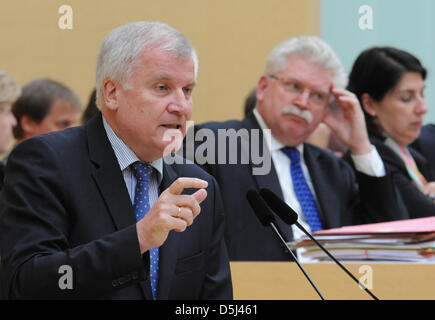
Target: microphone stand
{"x": 277, "y": 205}
{"x": 335, "y": 260}
{"x": 296, "y": 260}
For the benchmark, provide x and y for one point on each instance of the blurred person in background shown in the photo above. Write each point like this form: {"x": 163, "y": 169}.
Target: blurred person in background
{"x": 322, "y": 136}
{"x": 302, "y": 77}
{"x": 390, "y": 85}
{"x": 45, "y": 106}
{"x": 250, "y": 101}
{"x": 91, "y": 108}
{"x": 9, "y": 92}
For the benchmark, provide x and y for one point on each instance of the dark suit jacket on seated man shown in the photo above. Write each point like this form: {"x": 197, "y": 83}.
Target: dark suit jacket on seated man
{"x": 74, "y": 200}
{"x": 301, "y": 77}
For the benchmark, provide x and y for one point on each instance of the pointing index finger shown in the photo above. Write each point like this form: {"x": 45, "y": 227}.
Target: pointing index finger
{"x": 182, "y": 183}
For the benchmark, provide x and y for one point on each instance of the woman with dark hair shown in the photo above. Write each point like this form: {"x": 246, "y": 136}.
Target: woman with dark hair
{"x": 389, "y": 84}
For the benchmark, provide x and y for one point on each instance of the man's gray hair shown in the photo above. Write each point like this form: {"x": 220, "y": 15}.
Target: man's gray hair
{"x": 122, "y": 48}
{"x": 311, "y": 48}
{"x": 9, "y": 89}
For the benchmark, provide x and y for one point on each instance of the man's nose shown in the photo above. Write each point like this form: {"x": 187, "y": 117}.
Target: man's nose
{"x": 303, "y": 98}
{"x": 180, "y": 102}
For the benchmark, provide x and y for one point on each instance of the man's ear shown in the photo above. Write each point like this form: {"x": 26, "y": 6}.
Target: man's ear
{"x": 28, "y": 125}
{"x": 261, "y": 87}
{"x": 110, "y": 94}
{"x": 368, "y": 104}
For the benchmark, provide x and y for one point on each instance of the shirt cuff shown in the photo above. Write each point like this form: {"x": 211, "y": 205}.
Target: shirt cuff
{"x": 370, "y": 163}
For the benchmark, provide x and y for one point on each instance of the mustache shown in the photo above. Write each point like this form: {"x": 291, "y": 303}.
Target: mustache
{"x": 293, "y": 110}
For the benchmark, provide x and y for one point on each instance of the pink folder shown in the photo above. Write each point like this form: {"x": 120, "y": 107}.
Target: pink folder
{"x": 420, "y": 225}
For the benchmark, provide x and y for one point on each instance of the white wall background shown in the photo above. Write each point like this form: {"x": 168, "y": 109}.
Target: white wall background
{"x": 406, "y": 24}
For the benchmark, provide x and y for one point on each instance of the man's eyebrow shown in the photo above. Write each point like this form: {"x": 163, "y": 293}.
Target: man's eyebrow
{"x": 162, "y": 77}
{"x": 167, "y": 78}
{"x": 192, "y": 84}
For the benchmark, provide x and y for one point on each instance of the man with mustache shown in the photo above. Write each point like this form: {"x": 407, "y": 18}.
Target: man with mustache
{"x": 302, "y": 78}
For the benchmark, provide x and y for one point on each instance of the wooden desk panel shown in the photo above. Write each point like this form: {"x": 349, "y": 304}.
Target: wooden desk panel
{"x": 284, "y": 281}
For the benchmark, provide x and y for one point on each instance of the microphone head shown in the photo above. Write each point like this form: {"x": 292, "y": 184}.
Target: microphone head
{"x": 262, "y": 211}
{"x": 287, "y": 214}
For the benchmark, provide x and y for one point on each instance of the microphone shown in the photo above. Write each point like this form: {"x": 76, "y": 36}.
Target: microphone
{"x": 289, "y": 216}
{"x": 266, "y": 217}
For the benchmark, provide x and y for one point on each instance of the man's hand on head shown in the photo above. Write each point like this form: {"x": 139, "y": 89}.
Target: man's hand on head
{"x": 349, "y": 124}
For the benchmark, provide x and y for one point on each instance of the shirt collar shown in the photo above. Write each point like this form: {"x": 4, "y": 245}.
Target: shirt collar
{"x": 126, "y": 156}
{"x": 275, "y": 145}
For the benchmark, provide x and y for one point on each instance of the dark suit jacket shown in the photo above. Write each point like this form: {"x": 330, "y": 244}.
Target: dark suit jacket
{"x": 65, "y": 203}
{"x": 417, "y": 203}
{"x": 425, "y": 144}
{"x": 2, "y": 174}
{"x": 342, "y": 200}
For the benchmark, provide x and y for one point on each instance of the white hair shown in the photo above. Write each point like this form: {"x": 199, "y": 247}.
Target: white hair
{"x": 311, "y": 48}
{"x": 9, "y": 89}
{"x": 122, "y": 48}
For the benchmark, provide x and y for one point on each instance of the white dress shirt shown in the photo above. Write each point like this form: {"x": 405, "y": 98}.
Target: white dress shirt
{"x": 370, "y": 164}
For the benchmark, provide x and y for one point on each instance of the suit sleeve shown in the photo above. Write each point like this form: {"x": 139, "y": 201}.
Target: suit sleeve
{"x": 379, "y": 199}
{"x": 34, "y": 231}
{"x": 417, "y": 203}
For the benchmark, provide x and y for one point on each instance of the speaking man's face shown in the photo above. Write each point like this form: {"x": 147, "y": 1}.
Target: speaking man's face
{"x": 155, "y": 104}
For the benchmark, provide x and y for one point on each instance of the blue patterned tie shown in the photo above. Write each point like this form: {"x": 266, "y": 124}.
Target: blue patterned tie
{"x": 303, "y": 192}
{"x": 141, "y": 206}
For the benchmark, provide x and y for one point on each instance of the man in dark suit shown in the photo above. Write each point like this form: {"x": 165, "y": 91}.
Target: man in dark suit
{"x": 301, "y": 78}
{"x": 95, "y": 211}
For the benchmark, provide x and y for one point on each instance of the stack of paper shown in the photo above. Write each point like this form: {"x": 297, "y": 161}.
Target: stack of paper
{"x": 405, "y": 240}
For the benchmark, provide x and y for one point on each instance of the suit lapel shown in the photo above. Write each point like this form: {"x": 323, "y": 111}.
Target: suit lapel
{"x": 422, "y": 164}
{"x": 393, "y": 161}
{"x": 169, "y": 249}
{"x": 389, "y": 156}
{"x": 108, "y": 176}
{"x": 319, "y": 170}
{"x": 109, "y": 180}
{"x": 270, "y": 180}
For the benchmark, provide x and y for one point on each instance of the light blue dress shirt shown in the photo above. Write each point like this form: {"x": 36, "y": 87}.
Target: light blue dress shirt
{"x": 126, "y": 157}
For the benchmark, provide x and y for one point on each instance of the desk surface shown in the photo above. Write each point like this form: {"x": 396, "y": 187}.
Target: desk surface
{"x": 284, "y": 281}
